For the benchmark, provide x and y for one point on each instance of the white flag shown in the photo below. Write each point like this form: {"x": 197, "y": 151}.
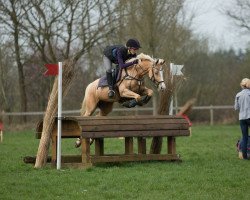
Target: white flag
{"x": 176, "y": 69}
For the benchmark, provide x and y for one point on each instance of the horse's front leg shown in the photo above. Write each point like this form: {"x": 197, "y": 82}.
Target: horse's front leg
{"x": 147, "y": 94}
{"x": 130, "y": 94}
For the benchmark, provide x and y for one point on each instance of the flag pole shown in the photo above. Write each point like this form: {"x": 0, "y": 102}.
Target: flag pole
{"x": 59, "y": 117}
{"x": 171, "y": 98}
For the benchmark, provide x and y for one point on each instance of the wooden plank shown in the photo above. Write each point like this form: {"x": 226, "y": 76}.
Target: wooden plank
{"x": 131, "y": 121}
{"x": 140, "y": 127}
{"x": 135, "y": 157}
{"x": 149, "y": 133}
{"x": 129, "y": 147}
{"x": 32, "y": 159}
{"x": 64, "y": 159}
{"x": 141, "y": 145}
{"x": 70, "y": 128}
{"x": 134, "y": 117}
{"x": 71, "y": 159}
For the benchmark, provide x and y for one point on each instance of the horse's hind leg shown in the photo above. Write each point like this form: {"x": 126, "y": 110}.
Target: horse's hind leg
{"x": 90, "y": 101}
{"x": 88, "y": 110}
{"x": 89, "y": 105}
{"x": 105, "y": 108}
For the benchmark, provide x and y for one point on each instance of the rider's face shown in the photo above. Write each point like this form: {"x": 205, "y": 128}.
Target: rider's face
{"x": 133, "y": 50}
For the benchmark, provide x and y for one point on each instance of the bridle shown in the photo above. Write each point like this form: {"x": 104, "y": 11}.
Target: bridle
{"x": 153, "y": 79}
{"x": 140, "y": 80}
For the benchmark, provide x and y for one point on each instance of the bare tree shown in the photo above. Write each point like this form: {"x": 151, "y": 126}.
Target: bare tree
{"x": 239, "y": 13}
{"x": 4, "y": 87}
{"x": 64, "y": 29}
{"x": 10, "y": 16}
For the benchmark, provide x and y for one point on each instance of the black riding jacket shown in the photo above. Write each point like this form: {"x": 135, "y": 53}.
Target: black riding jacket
{"x": 118, "y": 54}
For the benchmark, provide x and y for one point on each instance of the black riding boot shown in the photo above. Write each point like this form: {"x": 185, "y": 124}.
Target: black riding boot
{"x": 111, "y": 93}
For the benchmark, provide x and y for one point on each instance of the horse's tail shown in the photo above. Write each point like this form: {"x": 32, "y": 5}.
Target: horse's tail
{"x": 83, "y": 108}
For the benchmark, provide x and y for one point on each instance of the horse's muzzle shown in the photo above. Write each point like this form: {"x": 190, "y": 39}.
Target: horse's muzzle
{"x": 162, "y": 86}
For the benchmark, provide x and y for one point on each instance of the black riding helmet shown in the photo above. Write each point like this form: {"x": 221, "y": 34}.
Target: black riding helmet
{"x": 133, "y": 43}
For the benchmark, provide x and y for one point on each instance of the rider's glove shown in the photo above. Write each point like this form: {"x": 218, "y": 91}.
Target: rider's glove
{"x": 135, "y": 61}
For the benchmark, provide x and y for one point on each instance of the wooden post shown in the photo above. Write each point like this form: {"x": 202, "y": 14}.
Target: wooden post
{"x": 1, "y": 135}
{"x": 141, "y": 145}
{"x": 171, "y": 145}
{"x": 85, "y": 151}
{"x": 54, "y": 149}
{"x": 129, "y": 145}
{"x": 1, "y": 131}
{"x": 99, "y": 146}
{"x": 211, "y": 116}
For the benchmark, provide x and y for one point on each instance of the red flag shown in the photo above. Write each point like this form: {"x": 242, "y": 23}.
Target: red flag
{"x": 52, "y": 70}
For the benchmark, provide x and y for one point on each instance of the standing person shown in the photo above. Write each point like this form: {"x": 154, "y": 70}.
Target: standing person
{"x": 118, "y": 54}
{"x": 242, "y": 103}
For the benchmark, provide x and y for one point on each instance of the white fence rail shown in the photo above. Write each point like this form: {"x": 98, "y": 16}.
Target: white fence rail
{"x": 210, "y": 108}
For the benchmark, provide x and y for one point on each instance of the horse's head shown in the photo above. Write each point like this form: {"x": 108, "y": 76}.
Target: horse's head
{"x": 156, "y": 74}
{"x": 152, "y": 67}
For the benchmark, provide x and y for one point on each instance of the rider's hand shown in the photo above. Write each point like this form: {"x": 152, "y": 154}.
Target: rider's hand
{"x": 135, "y": 61}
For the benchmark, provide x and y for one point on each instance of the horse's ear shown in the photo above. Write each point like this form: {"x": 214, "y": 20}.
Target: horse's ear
{"x": 161, "y": 61}
{"x": 157, "y": 61}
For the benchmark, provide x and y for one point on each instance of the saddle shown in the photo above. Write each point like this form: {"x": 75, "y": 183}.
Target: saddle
{"x": 116, "y": 75}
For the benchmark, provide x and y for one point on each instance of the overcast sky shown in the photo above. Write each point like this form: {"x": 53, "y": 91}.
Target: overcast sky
{"x": 210, "y": 22}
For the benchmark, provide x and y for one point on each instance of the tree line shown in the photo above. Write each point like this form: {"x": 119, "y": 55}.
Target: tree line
{"x": 36, "y": 32}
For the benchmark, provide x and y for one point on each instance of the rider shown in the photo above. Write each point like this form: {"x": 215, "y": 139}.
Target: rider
{"x": 118, "y": 54}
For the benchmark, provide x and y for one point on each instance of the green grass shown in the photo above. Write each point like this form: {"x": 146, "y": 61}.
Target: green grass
{"x": 210, "y": 170}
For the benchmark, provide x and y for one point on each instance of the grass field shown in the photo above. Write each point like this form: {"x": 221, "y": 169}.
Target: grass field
{"x": 210, "y": 170}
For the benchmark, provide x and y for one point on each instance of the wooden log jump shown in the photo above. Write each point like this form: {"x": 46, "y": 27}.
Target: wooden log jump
{"x": 129, "y": 127}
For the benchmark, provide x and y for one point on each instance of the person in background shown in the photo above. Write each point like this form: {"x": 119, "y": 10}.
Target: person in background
{"x": 118, "y": 54}
{"x": 242, "y": 104}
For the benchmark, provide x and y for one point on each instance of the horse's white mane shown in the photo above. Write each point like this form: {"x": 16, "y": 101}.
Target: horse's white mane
{"x": 144, "y": 56}
{"x": 141, "y": 56}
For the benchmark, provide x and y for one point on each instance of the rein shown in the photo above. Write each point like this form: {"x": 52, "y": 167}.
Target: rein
{"x": 129, "y": 77}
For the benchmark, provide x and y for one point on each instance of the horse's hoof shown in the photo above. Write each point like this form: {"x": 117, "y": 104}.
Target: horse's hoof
{"x": 77, "y": 143}
{"x": 145, "y": 99}
{"x": 130, "y": 104}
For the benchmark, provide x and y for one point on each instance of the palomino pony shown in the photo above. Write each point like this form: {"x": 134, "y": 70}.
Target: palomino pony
{"x": 129, "y": 87}
{"x": 130, "y": 90}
